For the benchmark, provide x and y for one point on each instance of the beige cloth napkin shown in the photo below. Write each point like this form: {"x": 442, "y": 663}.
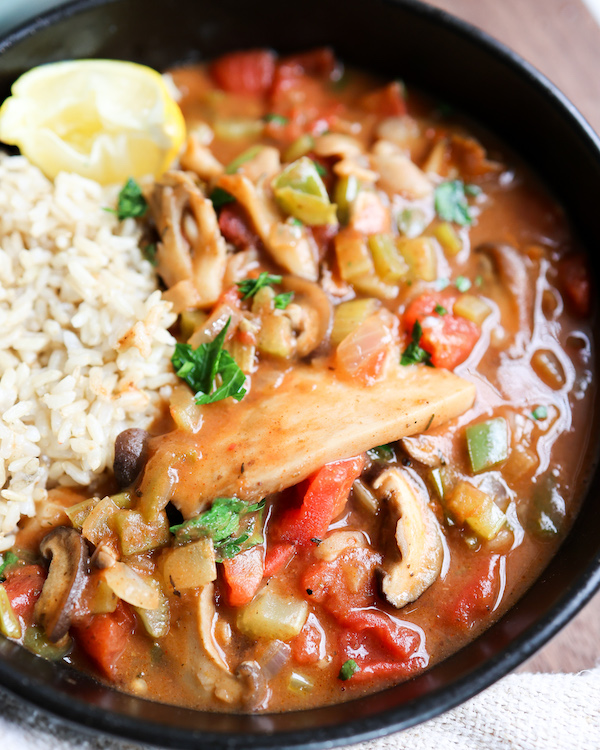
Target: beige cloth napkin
{"x": 522, "y": 712}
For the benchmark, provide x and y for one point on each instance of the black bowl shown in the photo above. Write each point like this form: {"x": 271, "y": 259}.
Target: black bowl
{"x": 457, "y": 64}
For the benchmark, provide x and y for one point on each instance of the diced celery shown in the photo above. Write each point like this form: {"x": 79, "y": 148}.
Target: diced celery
{"x": 244, "y": 355}
{"x": 276, "y": 336}
{"x": 436, "y": 479}
{"x": 263, "y": 301}
{"x": 298, "y": 683}
{"x": 156, "y": 621}
{"x": 9, "y": 622}
{"x": 190, "y": 321}
{"x": 248, "y": 154}
{"x": 487, "y": 443}
{"x": 472, "y": 308}
{"x": 184, "y": 410}
{"x": 190, "y": 566}
{"x": 299, "y": 148}
{"x": 477, "y": 509}
{"x": 420, "y": 254}
{"x": 96, "y": 526}
{"x": 349, "y": 315}
{"x": 137, "y": 535}
{"x": 353, "y": 256}
{"x": 300, "y": 192}
{"x": 345, "y": 194}
{"x": 273, "y": 616}
{"x": 547, "y": 510}
{"x": 375, "y": 287}
{"x": 102, "y": 599}
{"x": 237, "y": 128}
{"x": 35, "y": 640}
{"x": 122, "y": 500}
{"x": 365, "y": 496}
{"x": 448, "y": 238}
{"x": 389, "y": 263}
{"x": 443, "y": 480}
{"x": 80, "y": 511}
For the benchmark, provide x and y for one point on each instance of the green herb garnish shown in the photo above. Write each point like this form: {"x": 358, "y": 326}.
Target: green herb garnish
{"x": 7, "y": 560}
{"x": 414, "y": 354}
{"x": 200, "y": 367}
{"x": 540, "y": 412}
{"x": 277, "y": 119}
{"x": 249, "y": 287}
{"x": 282, "y": 300}
{"x": 462, "y": 284}
{"x": 348, "y": 669}
{"x": 130, "y": 203}
{"x": 440, "y": 310}
{"x": 221, "y": 522}
{"x": 472, "y": 189}
{"x": 382, "y": 453}
{"x": 220, "y": 197}
{"x": 451, "y": 202}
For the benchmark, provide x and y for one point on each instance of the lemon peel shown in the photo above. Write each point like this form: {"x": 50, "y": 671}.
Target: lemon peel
{"x": 107, "y": 120}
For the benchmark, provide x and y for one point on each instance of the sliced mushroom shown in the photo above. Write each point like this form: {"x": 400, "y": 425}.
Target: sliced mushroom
{"x": 419, "y": 562}
{"x": 290, "y": 246}
{"x": 197, "y": 158}
{"x": 67, "y": 575}
{"x": 509, "y": 285}
{"x": 337, "y": 144}
{"x": 131, "y": 451}
{"x": 265, "y": 164}
{"x": 191, "y": 246}
{"x": 431, "y": 450}
{"x": 206, "y": 625}
{"x": 257, "y": 690}
{"x": 398, "y": 174}
{"x": 315, "y": 313}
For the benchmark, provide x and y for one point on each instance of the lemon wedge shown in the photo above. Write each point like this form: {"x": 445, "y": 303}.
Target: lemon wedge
{"x": 103, "y": 119}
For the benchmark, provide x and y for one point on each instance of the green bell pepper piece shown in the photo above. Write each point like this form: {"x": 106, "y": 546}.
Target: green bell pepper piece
{"x": 487, "y": 443}
{"x": 300, "y": 192}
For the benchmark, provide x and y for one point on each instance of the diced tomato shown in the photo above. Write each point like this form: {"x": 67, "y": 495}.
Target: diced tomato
{"x": 105, "y": 637}
{"x": 245, "y": 72}
{"x": 243, "y": 575}
{"x": 308, "y": 644}
{"x": 324, "y": 498}
{"x": 24, "y": 586}
{"x": 385, "y": 102}
{"x": 319, "y": 63}
{"x": 344, "y": 584}
{"x": 477, "y": 594}
{"x": 574, "y": 278}
{"x": 278, "y": 555}
{"x": 447, "y": 337}
{"x": 235, "y": 228}
{"x": 380, "y": 646}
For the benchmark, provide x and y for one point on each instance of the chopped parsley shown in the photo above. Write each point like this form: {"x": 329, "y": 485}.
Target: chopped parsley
{"x": 348, "y": 669}
{"x": 296, "y": 222}
{"x": 540, "y": 412}
{"x": 441, "y": 284}
{"x": 7, "y": 560}
{"x": 200, "y": 367}
{"x": 282, "y": 300}
{"x": 451, "y": 202}
{"x": 249, "y": 287}
{"x": 440, "y": 310}
{"x": 277, "y": 119}
{"x": 462, "y": 284}
{"x": 478, "y": 280}
{"x": 220, "y": 197}
{"x": 131, "y": 203}
{"x": 221, "y": 522}
{"x": 472, "y": 189}
{"x": 414, "y": 354}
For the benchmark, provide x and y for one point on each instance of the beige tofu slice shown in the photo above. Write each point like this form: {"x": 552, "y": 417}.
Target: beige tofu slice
{"x": 291, "y": 425}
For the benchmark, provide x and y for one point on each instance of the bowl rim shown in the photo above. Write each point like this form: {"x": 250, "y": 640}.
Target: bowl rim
{"x": 93, "y": 719}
